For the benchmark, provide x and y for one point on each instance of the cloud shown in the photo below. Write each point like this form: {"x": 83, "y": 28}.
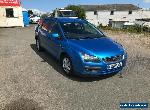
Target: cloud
{"x": 147, "y": 1}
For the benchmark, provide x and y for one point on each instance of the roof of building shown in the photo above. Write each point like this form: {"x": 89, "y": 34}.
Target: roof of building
{"x": 110, "y": 7}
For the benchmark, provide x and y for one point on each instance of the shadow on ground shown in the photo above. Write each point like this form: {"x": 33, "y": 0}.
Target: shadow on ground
{"x": 55, "y": 64}
{"x": 23, "y": 104}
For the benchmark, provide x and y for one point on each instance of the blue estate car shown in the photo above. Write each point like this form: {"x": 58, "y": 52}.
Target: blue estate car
{"x": 80, "y": 47}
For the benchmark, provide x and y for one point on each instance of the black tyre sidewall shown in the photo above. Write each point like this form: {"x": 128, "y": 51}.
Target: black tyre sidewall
{"x": 40, "y": 48}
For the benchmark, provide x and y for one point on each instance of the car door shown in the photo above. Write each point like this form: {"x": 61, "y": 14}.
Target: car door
{"x": 53, "y": 43}
{"x": 43, "y": 33}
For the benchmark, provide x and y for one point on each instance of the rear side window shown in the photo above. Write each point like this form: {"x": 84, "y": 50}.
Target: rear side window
{"x": 45, "y": 24}
{"x": 40, "y": 22}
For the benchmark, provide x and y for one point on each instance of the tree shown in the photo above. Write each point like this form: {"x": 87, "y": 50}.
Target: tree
{"x": 44, "y": 16}
{"x": 80, "y": 12}
{"x": 30, "y": 12}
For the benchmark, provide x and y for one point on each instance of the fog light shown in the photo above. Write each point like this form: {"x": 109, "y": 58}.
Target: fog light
{"x": 123, "y": 57}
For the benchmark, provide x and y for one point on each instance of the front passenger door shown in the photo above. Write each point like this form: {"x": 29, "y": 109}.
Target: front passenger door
{"x": 54, "y": 44}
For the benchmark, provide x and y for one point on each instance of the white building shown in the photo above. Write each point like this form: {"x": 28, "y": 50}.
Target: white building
{"x": 116, "y": 13}
{"x": 10, "y": 13}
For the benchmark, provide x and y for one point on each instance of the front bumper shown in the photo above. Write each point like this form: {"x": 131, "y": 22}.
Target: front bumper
{"x": 97, "y": 69}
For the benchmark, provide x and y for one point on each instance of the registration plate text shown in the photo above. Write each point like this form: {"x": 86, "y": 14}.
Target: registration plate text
{"x": 115, "y": 65}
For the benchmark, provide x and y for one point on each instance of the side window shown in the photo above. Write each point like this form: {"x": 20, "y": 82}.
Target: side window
{"x": 56, "y": 29}
{"x": 9, "y": 12}
{"x": 50, "y": 25}
{"x": 95, "y": 13}
{"x": 45, "y": 25}
{"x": 112, "y": 13}
{"x": 130, "y": 12}
{"x": 53, "y": 27}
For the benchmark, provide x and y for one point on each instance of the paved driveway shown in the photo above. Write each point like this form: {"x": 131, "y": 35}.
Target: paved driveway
{"x": 30, "y": 80}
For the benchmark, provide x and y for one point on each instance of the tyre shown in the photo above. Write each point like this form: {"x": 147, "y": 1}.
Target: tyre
{"x": 38, "y": 45}
{"x": 66, "y": 65}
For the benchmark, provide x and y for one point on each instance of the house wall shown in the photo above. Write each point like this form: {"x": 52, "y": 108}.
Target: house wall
{"x": 103, "y": 17}
{"x": 17, "y": 20}
{"x": 144, "y": 14}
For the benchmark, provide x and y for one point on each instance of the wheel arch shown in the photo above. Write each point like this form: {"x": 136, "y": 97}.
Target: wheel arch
{"x": 36, "y": 37}
{"x": 62, "y": 55}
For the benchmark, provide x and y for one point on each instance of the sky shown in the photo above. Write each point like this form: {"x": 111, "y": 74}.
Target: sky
{"x": 49, "y": 5}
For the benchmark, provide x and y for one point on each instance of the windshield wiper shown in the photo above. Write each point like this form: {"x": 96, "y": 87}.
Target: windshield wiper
{"x": 77, "y": 38}
{"x": 87, "y": 37}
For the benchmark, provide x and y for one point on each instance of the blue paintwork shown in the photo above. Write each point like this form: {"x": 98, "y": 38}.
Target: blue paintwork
{"x": 25, "y": 18}
{"x": 100, "y": 47}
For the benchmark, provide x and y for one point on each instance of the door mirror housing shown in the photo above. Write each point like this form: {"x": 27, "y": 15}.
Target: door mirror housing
{"x": 55, "y": 35}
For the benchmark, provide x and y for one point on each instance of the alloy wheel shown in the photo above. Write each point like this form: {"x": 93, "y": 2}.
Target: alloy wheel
{"x": 66, "y": 64}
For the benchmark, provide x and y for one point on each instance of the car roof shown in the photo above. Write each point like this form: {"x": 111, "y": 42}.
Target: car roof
{"x": 65, "y": 19}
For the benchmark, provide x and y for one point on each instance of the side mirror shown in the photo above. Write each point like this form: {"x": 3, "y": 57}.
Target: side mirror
{"x": 55, "y": 35}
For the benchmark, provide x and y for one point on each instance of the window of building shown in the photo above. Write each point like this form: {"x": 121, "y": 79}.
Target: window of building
{"x": 95, "y": 13}
{"x": 9, "y": 12}
{"x": 112, "y": 13}
{"x": 130, "y": 12}
{"x": 110, "y": 22}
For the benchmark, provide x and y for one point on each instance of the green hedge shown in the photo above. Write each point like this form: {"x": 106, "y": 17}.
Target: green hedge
{"x": 133, "y": 29}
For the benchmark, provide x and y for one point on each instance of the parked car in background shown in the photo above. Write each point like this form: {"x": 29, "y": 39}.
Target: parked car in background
{"x": 63, "y": 13}
{"x": 34, "y": 19}
{"x": 80, "y": 47}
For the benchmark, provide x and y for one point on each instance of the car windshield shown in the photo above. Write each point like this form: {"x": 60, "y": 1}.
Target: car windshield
{"x": 80, "y": 30}
{"x": 67, "y": 13}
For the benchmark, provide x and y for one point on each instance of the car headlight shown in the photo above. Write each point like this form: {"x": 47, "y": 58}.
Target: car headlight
{"x": 90, "y": 58}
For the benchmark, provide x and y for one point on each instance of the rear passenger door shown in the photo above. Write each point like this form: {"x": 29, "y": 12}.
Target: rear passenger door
{"x": 43, "y": 33}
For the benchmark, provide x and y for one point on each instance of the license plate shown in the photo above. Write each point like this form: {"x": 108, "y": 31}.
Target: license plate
{"x": 115, "y": 65}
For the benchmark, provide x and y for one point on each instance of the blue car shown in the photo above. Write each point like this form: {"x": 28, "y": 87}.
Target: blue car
{"x": 80, "y": 47}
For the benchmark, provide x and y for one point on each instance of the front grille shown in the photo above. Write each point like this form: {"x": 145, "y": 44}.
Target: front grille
{"x": 113, "y": 58}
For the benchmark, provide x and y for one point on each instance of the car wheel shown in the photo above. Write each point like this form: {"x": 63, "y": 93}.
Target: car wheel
{"x": 67, "y": 65}
{"x": 38, "y": 45}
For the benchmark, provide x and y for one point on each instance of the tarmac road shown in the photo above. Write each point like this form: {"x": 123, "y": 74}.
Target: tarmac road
{"x": 30, "y": 80}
